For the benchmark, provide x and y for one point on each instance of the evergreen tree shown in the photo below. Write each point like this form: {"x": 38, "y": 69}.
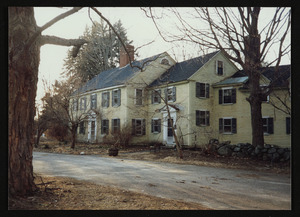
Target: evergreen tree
{"x": 100, "y": 54}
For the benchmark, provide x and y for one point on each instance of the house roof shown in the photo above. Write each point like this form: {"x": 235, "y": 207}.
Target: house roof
{"x": 183, "y": 70}
{"x": 235, "y": 80}
{"x": 114, "y": 77}
{"x": 280, "y": 78}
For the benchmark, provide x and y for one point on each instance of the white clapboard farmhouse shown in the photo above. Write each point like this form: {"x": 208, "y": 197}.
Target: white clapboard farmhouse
{"x": 206, "y": 96}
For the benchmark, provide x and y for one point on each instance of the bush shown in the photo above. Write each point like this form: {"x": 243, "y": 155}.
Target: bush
{"x": 122, "y": 138}
{"x": 58, "y": 132}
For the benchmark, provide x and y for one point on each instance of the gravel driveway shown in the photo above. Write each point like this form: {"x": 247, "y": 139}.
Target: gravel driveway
{"x": 216, "y": 188}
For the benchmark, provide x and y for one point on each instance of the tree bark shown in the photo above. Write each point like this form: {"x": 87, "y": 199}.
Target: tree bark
{"x": 23, "y": 77}
{"x": 252, "y": 69}
{"x": 74, "y": 130}
{"x": 24, "y": 40}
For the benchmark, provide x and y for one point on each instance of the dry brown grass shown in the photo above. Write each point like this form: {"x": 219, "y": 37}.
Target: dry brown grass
{"x": 71, "y": 194}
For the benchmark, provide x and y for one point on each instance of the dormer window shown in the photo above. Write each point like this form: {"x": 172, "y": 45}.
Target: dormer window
{"x": 165, "y": 62}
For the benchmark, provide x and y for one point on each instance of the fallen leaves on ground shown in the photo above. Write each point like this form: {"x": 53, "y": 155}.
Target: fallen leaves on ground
{"x": 69, "y": 194}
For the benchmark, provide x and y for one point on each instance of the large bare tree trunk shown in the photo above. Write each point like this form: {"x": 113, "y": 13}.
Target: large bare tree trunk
{"x": 252, "y": 68}
{"x": 23, "y": 76}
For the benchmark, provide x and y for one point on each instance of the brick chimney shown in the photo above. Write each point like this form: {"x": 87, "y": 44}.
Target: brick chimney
{"x": 124, "y": 59}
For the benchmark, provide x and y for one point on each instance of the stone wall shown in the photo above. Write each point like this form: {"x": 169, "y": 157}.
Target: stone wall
{"x": 268, "y": 152}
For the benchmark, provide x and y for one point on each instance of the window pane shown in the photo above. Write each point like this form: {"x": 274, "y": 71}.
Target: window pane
{"x": 139, "y": 96}
{"x": 202, "y": 90}
{"x": 138, "y": 127}
{"x": 227, "y": 96}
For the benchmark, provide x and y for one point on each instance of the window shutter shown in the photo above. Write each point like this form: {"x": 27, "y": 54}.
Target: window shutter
{"x": 270, "y": 126}
{"x": 152, "y": 125}
{"x": 133, "y": 127}
{"x": 159, "y": 125}
{"x": 233, "y": 96}
{"x": 207, "y": 118}
{"x": 84, "y": 124}
{"x": 220, "y": 96}
{"x": 95, "y": 97}
{"x": 288, "y": 125}
{"x": 197, "y": 118}
{"x": 91, "y": 100}
{"x": 166, "y": 94}
{"x": 159, "y": 96}
{"x": 174, "y": 94}
{"x": 207, "y": 91}
{"x": 233, "y": 124}
{"x": 152, "y": 96}
{"x": 119, "y": 125}
{"x": 197, "y": 89}
{"x": 144, "y": 127}
{"x": 119, "y": 97}
{"x": 217, "y": 67}
{"x": 84, "y": 99}
{"x": 102, "y": 100}
{"x": 220, "y": 125}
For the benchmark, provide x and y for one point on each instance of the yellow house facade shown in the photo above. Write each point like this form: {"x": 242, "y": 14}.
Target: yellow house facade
{"x": 206, "y": 98}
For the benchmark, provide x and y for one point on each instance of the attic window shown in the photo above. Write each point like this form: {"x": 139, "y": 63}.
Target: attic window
{"x": 165, "y": 62}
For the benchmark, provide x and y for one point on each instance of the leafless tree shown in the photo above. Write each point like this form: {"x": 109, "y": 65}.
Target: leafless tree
{"x": 24, "y": 42}
{"x": 242, "y": 36}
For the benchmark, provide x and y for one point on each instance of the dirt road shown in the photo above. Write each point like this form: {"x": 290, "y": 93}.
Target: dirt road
{"x": 217, "y": 188}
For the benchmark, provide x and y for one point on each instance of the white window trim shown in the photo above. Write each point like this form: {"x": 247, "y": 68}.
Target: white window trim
{"x": 94, "y": 94}
{"x": 102, "y": 134}
{"x": 155, "y": 119}
{"x": 155, "y": 90}
{"x": 135, "y": 120}
{"x": 226, "y": 88}
{"x": 113, "y": 94}
{"x": 168, "y": 94}
{"x": 217, "y": 67}
{"x": 227, "y": 133}
{"x": 203, "y": 110}
{"x": 107, "y": 94}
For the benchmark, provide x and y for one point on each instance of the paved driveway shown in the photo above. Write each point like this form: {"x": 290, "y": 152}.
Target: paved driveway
{"x": 216, "y": 188}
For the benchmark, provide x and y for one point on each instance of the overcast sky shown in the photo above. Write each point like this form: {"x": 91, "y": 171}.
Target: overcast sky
{"x": 139, "y": 28}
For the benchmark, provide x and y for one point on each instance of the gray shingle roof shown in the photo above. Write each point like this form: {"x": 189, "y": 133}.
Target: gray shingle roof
{"x": 114, "y": 77}
{"x": 183, "y": 70}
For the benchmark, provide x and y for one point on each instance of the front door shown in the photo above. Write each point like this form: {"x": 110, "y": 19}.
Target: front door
{"x": 170, "y": 138}
{"x": 92, "y": 131}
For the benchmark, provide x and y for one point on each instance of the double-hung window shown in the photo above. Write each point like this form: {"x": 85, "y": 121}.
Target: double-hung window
{"x": 268, "y": 126}
{"x": 227, "y": 96}
{"x": 219, "y": 67}
{"x": 156, "y": 96}
{"x": 202, "y": 118}
{"x": 202, "y": 90}
{"x": 75, "y": 104}
{"x": 170, "y": 94}
{"x": 227, "y": 125}
{"x": 94, "y": 101}
{"x": 138, "y": 127}
{"x": 116, "y": 97}
{"x": 105, "y": 99}
{"x": 115, "y": 125}
{"x": 155, "y": 125}
{"x": 104, "y": 126}
{"x": 138, "y": 96}
{"x": 83, "y": 103}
